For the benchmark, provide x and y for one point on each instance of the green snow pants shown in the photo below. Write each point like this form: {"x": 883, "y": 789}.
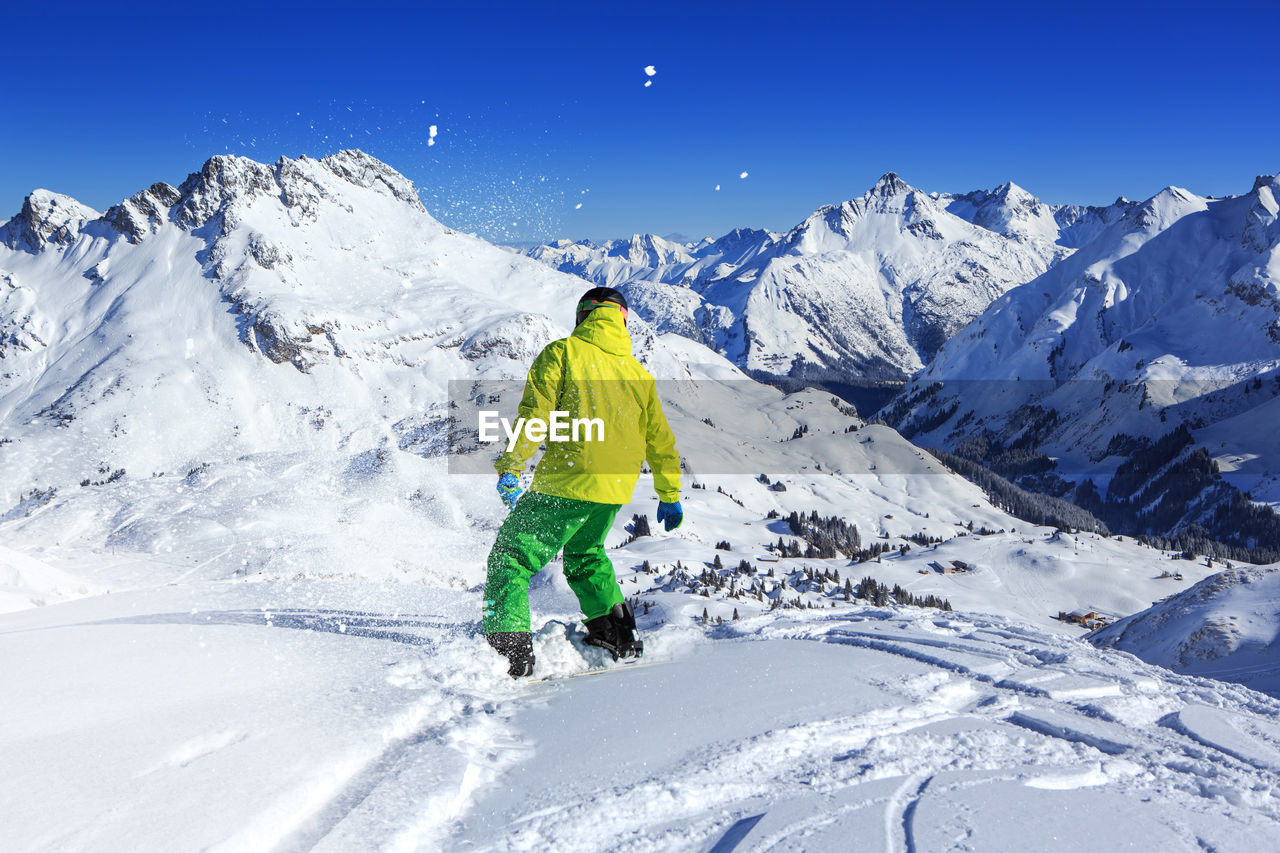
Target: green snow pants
{"x": 538, "y": 527}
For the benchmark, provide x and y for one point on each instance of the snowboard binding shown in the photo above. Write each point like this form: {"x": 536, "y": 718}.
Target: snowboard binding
{"x": 615, "y": 632}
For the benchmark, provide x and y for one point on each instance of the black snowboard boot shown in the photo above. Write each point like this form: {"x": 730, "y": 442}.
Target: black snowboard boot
{"x": 517, "y": 648}
{"x": 615, "y": 632}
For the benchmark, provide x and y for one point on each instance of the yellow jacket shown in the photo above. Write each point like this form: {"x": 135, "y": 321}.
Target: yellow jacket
{"x": 592, "y": 374}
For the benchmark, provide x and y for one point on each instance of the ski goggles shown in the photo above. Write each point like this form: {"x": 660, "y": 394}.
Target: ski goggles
{"x": 589, "y": 305}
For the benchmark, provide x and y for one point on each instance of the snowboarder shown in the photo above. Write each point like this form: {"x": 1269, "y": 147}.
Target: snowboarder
{"x": 579, "y": 485}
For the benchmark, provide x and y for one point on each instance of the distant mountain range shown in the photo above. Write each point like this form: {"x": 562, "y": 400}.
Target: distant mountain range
{"x": 1054, "y": 344}
{"x": 1138, "y": 368}
{"x": 862, "y": 292}
{"x": 1120, "y": 357}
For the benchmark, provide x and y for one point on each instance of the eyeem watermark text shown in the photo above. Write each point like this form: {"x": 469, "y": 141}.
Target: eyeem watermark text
{"x": 560, "y": 427}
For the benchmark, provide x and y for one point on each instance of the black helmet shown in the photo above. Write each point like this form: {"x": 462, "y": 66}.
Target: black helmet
{"x": 594, "y": 298}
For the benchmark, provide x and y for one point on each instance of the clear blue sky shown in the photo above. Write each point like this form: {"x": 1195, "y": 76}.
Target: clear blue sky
{"x": 542, "y": 106}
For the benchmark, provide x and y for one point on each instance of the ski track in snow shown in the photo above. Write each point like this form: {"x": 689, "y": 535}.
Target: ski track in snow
{"x": 457, "y": 716}
{"x": 434, "y": 756}
{"x": 994, "y": 704}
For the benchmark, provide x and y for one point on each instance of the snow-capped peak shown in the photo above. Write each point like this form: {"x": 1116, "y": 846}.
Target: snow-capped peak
{"x": 889, "y": 185}
{"x": 222, "y": 179}
{"x": 364, "y": 170}
{"x": 227, "y": 184}
{"x": 1265, "y": 181}
{"x": 1008, "y": 210}
{"x": 865, "y": 289}
{"x": 1261, "y": 232}
{"x": 739, "y": 240}
{"x": 46, "y": 218}
{"x": 144, "y": 212}
{"x": 648, "y": 250}
{"x": 1164, "y": 208}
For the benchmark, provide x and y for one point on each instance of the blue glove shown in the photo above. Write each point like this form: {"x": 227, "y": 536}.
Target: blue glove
{"x": 670, "y": 515}
{"x": 509, "y": 490}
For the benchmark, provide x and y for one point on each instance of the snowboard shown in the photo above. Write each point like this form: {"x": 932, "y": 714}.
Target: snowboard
{"x": 638, "y": 663}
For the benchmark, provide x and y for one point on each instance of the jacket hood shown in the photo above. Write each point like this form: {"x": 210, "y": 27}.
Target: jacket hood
{"x": 605, "y": 328}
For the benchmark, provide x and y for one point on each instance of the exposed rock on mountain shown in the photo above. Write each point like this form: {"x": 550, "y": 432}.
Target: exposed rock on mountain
{"x": 46, "y": 219}
{"x": 144, "y": 212}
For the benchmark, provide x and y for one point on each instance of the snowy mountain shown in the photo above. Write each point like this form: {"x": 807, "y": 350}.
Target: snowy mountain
{"x": 865, "y": 291}
{"x": 47, "y": 218}
{"x": 646, "y": 257}
{"x": 200, "y": 378}
{"x": 1165, "y": 326}
{"x": 212, "y": 371}
{"x": 260, "y": 339}
{"x": 237, "y": 545}
{"x": 1224, "y": 627}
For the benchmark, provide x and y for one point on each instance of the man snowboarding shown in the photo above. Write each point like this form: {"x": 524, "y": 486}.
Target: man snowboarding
{"x": 580, "y": 484}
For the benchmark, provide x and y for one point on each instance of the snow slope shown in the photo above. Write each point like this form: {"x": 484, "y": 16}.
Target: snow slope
{"x": 26, "y": 582}
{"x": 867, "y": 290}
{"x": 900, "y": 732}
{"x": 1226, "y": 627}
{"x": 358, "y": 717}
